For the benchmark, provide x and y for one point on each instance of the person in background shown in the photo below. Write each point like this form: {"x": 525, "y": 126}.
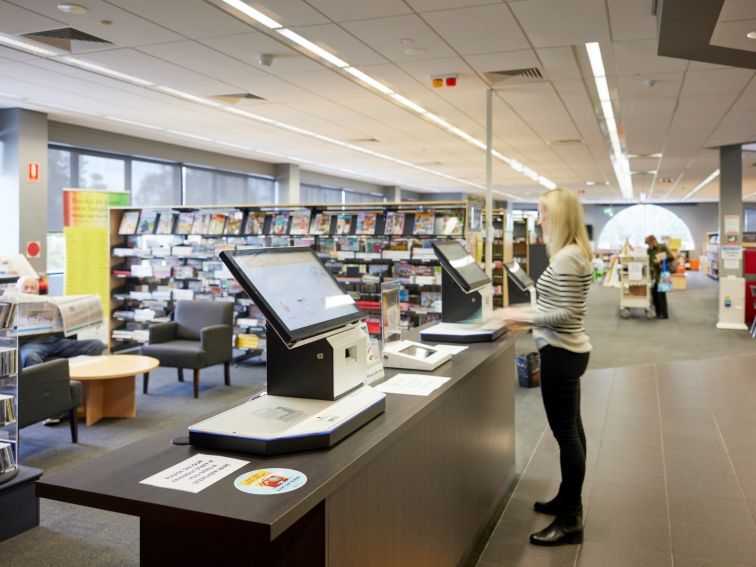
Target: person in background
{"x": 35, "y": 349}
{"x": 657, "y": 253}
{"x": 564, "y": 348}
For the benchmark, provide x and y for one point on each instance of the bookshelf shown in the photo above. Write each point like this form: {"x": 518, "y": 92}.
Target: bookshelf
{"x": 8, "y": 392}
{"x": 163, "y": 254}
{"x": 712, "y": 254}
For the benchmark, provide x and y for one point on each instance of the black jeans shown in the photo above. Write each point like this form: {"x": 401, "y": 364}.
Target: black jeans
{"x": 660, "y": 302}
{"x": 561, "y": 370}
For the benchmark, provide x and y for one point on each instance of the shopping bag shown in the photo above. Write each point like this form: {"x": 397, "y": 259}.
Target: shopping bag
{"x": 665, "y": 280}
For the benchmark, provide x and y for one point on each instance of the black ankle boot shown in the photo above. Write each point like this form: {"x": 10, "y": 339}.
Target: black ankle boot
{"x": 564, "y": 530}
{"x": 552, "y": 507}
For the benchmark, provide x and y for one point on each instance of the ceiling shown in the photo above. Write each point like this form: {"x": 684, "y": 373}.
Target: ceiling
{"x": 671, "y": 113}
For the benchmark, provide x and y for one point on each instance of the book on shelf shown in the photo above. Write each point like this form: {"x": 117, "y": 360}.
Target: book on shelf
{"x": 234, "y": 223}
{"x": 7, "y": 314}
{"x": 201, "y": 223}
{"x": 300, "y": 223}
{"x": 165, "y": 223}
{"x": 147, "y": 222}
{"x": 183, "y": 272}
{"x": 216, "y": 223}
{"x": 129, "y": 222}
{"x": 321, "y": 224}
{"x": 343, "y": 224}
{"x": 255, "y": 223}
{"x": 185, "y": 223}
{"x": 424, "y": 222}
{"x": 366, "y": 223}
{"x": 280, "y": 224}
{"x": 8, "y": 364}
{"x": 449, "y": 225}
{"x": 394, "y": 223}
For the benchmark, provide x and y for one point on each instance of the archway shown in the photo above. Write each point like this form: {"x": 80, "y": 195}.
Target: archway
{"x": 636, "y": 222}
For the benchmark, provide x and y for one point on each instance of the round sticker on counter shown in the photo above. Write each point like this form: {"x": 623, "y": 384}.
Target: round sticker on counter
{"x": 270, "y": 481}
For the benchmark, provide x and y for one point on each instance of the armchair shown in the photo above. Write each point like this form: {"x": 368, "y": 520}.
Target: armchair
{"x": 45, "y": 390}
{"x": 199, "y": 336}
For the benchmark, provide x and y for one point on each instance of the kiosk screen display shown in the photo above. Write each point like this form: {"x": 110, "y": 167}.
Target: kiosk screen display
{"x": 417, "y": 352}
{"x": 460, "y": 265}
{"x": 294, "y": 290}
{"x": 519, "y": 276}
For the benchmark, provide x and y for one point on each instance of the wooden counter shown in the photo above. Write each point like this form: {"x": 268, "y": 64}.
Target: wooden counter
{"x": 415, "y": 486}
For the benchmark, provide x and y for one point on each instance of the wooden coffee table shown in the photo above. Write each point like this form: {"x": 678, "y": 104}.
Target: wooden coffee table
{"x": 109, "y": 384}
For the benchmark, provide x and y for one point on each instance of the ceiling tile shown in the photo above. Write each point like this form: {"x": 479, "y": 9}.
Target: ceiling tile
{"x": 539, "y": 105}
{"x": 640, "y": 58}
{"x": 16, "y": 20}
{"x": 340, "y": 42}
{"x": 631, "y": 20}
{"x": 735, "y": 128}
{"x": 665, "y": 85}
{"x": 716, "y": 82}
{"x": 545, "y": 21}
{"x": 247, "y": 46}
{"x": 340, "y": 11}
{"x": 747, "y": 99}
{"x": 486, "y": 29}
{"x": 737, "y": 10}
{"x": 559, "y": 63}
{"x": 384, "y": 35}
{"x": 127, "y": 29}
{"x": 503, "y": 61}
{"x": 290, "y": 13}
{"x": 197, "y": 18}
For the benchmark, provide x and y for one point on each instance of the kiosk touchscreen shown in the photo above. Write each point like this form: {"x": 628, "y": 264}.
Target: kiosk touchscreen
{"x": 316, "y": 355}
{"x": 466, "y": 299}
{"x": 398, "y": 353}
{"x": 521, "y": 279}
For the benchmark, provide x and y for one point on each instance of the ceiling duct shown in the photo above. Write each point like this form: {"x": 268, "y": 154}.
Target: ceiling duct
{"x": 514, "y": 76}
{"x": 64, "y": 38}
{"x": 236, "y": 98}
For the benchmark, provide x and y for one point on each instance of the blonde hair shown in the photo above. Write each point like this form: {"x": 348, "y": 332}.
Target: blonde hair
{"x": 566, "y": 223}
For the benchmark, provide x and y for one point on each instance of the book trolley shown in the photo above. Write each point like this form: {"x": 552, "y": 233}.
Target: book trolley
{"x": 635, "y": 283}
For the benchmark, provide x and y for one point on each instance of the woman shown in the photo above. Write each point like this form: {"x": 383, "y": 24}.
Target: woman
{"x": 657, "y": 253}
{"x": 564, "y": 347}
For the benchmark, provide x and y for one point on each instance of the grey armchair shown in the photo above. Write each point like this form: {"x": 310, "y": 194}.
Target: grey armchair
{"x": 199, "y": 336}
{"x": 45, "y": 390}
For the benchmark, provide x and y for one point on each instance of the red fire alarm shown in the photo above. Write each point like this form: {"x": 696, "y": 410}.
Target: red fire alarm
{"x": 451, "y": 81}
{"x": 33, "y": 172}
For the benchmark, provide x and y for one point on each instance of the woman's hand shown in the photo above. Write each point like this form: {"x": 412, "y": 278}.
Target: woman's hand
{"x": 513, "y": 316}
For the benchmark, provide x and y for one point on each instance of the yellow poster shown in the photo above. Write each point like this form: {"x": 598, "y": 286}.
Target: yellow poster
{"x": 85, "y": 226}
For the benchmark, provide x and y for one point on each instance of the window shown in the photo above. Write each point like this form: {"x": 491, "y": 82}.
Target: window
{"x": 318, "y": 194}
{"x": 155, "y": 183}
{"x": 357, "y": 197}
{"x": 206, "y": 187}
{"x": 58, "y": 177}
{"x": 635, "y": 223}
{"x": 750, "y": 219}
{"x": 97, "y": 172}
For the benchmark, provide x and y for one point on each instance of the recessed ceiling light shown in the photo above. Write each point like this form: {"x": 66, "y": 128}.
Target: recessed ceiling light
{"x": 751, "y": 35}
{"x": 406, "y": 40}
{"x": 590, "y": 183}
{"x": 73, "y": 9}
{"x": 415, "y": 51}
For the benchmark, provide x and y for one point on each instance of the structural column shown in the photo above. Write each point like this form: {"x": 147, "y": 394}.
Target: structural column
{"x": 23, "y": 183}
{"x": 287, "y": 176}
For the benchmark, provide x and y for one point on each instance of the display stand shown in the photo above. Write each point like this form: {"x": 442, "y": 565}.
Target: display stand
{"x": 317, "y": 360}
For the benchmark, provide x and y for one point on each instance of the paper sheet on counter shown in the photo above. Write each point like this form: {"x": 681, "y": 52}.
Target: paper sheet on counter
{"x": 195, "y": 473}
{"x": 412, "y": 384}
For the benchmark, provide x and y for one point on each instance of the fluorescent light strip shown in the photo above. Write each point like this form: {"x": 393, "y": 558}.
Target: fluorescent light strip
{"x": 236, "y": 146}
{"x": 189, "y": 135}
{"x": 246, "y": 114}
{"x": 134, "y": 123}
{"x": 312, "y": 48}
{"x": 619, "y": 160}
{"x": 712, "y": 176}
{"x": 89, "y": 66}
{"x": 408, "y": 103}
{"x": 30, "y": 47}
{"x": 256, "y": 15}
{"x": 368, "y": 80}
{"x": 191, "y": 97}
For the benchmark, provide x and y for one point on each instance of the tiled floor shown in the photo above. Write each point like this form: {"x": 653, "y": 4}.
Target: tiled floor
{"x": 671, "y": 475}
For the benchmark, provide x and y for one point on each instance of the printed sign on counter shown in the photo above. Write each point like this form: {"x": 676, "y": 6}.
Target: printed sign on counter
{"x": 270, "y": 481}
{"x": 195, "y": 473}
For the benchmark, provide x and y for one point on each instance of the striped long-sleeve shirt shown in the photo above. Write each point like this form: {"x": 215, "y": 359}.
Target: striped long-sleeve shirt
{"x": 562, "y": 291}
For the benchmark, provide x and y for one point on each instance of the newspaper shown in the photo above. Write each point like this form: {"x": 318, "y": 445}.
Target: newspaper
{"x": 68, "y": 314}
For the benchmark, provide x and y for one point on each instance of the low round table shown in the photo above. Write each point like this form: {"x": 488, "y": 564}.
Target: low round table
{"x": 109, "y": 384}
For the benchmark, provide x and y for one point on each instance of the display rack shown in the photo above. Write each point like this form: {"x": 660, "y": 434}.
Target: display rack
{"x": 500, "y": 240}
{"x": 158, "y": 257}
{"x": 8, "y": 392}
{"x": 712, "y": 255}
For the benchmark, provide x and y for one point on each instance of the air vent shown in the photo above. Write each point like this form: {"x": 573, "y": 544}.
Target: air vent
{"x": 571, "y": 142}
{"x": 236, "y": 98}
{"x": 63, "y": 38}
{"x": 513, "y": 76}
